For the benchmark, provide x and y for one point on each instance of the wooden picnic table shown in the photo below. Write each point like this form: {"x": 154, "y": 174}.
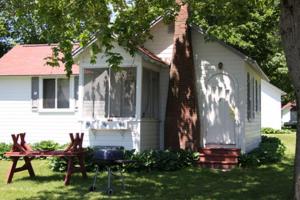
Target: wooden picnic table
{"x": 21, "y": 149}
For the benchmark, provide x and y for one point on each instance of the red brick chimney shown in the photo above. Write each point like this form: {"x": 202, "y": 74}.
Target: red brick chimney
{"x": 182, "y": 126}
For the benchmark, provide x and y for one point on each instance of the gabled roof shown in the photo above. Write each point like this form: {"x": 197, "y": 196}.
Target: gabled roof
{"x": 24, "y": 60}
{"x": 145, "y": 53}
{"x": 246, "y": 58}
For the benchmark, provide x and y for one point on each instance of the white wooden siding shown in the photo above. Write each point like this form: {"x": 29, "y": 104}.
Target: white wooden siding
{"x": 207, "y": 55}
{"x": 84, "y": 59}
{"x": 286, "y": 115}
{"x": 253, "y": 126}
{"x": 149, "y": 134}
{"x": 16, "y": 115}
{"x": 130, "y": 139}
{"x": 270, "y": 106}
{"x": 162, "y": 42}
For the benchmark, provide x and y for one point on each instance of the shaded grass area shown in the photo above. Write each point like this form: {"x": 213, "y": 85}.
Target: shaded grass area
{"x": 265, "y": 182}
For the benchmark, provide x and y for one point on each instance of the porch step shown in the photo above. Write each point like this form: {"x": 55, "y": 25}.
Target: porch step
{"x": 219, "y": 158}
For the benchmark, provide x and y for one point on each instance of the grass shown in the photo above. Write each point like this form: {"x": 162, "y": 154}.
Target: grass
{"x": 265, "y": 182}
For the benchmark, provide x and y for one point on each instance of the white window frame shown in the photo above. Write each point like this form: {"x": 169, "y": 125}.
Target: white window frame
{"x": 71, "y": 97}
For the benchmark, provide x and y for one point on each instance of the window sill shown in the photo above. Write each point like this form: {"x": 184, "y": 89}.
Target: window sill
{"x": 56, "y": 110}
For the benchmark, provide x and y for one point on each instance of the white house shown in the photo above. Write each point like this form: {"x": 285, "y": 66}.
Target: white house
{"x": 289, "y": 114}
{"x": 128, "y": 107}
{"x": 270, "y": 105}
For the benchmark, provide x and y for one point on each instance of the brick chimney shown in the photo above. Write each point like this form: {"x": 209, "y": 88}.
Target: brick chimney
{"x": 182, "y": 126}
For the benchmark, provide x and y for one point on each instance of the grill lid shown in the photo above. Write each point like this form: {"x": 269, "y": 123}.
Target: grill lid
{"x": 108, "y": 153}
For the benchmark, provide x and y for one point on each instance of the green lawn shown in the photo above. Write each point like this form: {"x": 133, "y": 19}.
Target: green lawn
{"x": 265, "y": 182}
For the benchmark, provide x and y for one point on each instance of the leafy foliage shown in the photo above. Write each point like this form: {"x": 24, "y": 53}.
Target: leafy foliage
{"x": 59, "y": 164}
{"x": 145, "y": 161}
{"x": 275, "y": 131}
{"x": 4, "y": 148}
{"x": 270, "y": 150}
{"x": 46, "y": 145}
{"x": 250, "y": 26}
{"x": 167, "y": 160}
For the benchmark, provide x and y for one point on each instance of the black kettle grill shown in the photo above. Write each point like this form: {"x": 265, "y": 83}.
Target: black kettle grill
{"x": 108, "y": 156}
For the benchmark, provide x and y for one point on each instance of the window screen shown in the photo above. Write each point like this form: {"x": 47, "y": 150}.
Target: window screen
{"x": 63, "y": 93}
{"x": 76, "y": 87}
{"x": 109, "y": 93}
{"x": 150, "y": 94}
{"x": 253, "y": 97}
{"x": 96, "y": 92}
{"x": 122, "y": 93}
{"x": 49, "y": 93}
{"x": 34, "y": 91}
{"x": 248, "y": 98}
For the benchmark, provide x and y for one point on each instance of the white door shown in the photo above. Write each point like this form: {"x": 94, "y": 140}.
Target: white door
{"x": 221, "y": 111}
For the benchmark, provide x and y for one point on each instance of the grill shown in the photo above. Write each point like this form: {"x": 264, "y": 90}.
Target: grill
{"x": 108, "y": 156}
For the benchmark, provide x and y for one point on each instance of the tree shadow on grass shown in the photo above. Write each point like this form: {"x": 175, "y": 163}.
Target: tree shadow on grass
{"x": 265, "y": 182}
{"x": 42, "y": 179}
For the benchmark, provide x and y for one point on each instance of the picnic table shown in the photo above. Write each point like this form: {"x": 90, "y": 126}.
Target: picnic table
{"x": 22, "y": 150}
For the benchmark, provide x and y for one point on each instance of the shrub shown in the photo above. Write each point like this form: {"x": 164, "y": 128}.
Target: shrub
{"x": 59, "y": 164}
{"x": 270, "y": 150}
{"x": 145, "y": 161}
{"x": 167, "y": 160}
{"x": 4, "y": 148}
{"x": 275, "y": 131}
{"x": 46, "y": 145}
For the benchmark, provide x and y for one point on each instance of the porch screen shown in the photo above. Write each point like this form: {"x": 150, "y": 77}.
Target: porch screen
{"x": 95, "y": 99}
{"x": 108, "y": 93}
{"x": 122, "y": 93}
{"x": 150, "y": 94}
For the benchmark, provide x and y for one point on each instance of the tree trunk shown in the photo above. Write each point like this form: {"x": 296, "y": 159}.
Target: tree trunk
{"x": 182, "y": 118}
{"x": 290, "y": 34}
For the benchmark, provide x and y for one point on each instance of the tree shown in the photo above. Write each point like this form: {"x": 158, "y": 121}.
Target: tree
{"x": 109, "y": 21}
{"x": 290, "y": 34}
{"x": 250, "y": 26}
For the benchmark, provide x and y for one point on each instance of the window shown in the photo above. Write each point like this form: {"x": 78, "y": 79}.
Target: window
{"x": 253, "y": 97}
{"x": 150, "y": 94}
{"x": 56, "y": 93}
{"x": 109, "y": 93}
{"x": 248, "y": 97}
{"x": 76, "y": 87}
{"x": 256, "y": 96}
{"x": 34, "y": 92}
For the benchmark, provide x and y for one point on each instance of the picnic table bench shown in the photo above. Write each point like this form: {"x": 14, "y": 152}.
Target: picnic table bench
{"x": 21, "y": 149}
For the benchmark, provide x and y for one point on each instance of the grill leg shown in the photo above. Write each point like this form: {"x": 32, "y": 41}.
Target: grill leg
{"x": 93, "y": 188}
{"x": 109, "y": 185}
{"x": 122, "y": 178}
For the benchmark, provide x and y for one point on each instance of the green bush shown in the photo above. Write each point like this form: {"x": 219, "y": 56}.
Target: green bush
{"x": 145, "y": 161}
{"x": 167, "y": 160}
{"x": 275, "y": 131}
{"x": 59, "y": 164}
{"x": 4, "y": 148}
{"x": 270, "y": 150}
{"x": 46, "y": 145}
